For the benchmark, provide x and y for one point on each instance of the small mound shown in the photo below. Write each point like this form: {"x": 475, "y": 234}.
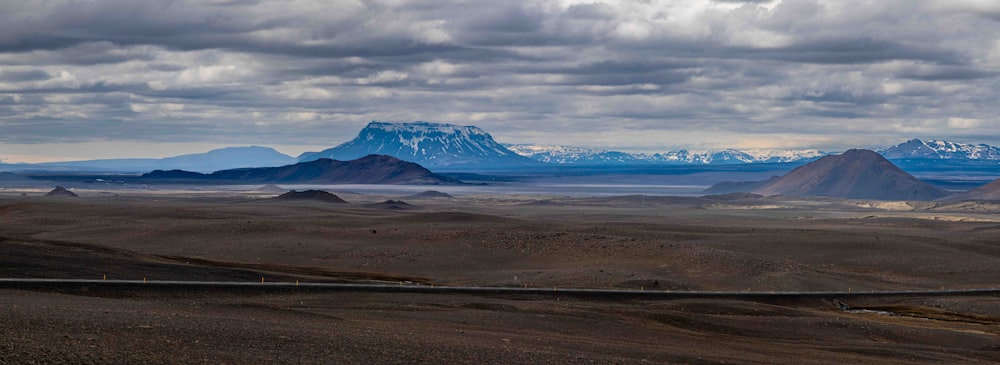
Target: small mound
{"x": 316, "y": 195}
{"x": 61, "y": 191}
{"x": 734, "y": 196}
{"x": 391, "y": 204}
{"x": 430, "y": 194}
{"x": 270, "y": 188}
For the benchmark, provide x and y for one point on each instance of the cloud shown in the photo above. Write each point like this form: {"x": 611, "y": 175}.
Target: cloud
{"x": 637, "y": 75}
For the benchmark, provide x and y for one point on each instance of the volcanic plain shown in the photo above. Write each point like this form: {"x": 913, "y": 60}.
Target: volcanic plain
{"x": 732, "y": 243}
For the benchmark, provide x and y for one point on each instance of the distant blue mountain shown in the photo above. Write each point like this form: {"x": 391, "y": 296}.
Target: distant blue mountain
{"x": 214, "y": 160}
{"x": 431, "y": 145}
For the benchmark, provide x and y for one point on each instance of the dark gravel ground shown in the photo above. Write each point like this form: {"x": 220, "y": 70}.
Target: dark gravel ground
{"x": 231, "y": 328}
{"x": 593, "y": 243}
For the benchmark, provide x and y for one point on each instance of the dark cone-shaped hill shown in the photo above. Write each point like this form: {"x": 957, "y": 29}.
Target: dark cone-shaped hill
{"x": 61, "y": 191}
{"x": 989, "y": 191}
{"x": 855, "y": 174}
{"x": 314, "y": 195}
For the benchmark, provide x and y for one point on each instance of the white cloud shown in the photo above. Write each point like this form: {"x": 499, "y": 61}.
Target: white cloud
{"x": 964, "y": 123}
{"x": 631, "y": 74}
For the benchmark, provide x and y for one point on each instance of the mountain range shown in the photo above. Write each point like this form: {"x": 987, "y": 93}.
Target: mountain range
{"x": 429, "y": 144}
{"x": 940, "y": 150}
{"x": 455, "y": 147}
{"x": 564, "y": 155}
{"x": 914, "y": 149}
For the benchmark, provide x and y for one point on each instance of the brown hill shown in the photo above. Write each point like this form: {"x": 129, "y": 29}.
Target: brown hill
{"x": 856, "y": 174}
{"x": 315, "y": 195}
{"x": 61, "y": 191}
{"x": 989, "y": 191}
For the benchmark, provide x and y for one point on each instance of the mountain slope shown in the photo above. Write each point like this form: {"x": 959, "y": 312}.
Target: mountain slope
{"x": 214, "y": 160}
{"x": 989, "y": 191}
{"x": 372, "y": 169}
{"x": 429, "y": 144}
{"x": 856, "y": 174}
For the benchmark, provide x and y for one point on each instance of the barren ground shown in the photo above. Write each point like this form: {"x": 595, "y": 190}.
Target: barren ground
{"x": 653, "y": 243}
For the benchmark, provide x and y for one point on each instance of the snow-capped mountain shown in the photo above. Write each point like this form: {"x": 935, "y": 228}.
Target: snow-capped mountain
{"x": 587, "y": 156}
{"x": 724, "y": 157}
{"x": 940, "y": 150}
{"x": 432, "y": 145}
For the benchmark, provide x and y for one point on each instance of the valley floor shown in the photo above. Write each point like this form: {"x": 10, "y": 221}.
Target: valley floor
{"x": 628, "y": 242}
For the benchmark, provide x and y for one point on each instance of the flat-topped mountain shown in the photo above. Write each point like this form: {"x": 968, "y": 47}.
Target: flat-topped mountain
{"x": 855, "y": 174}
{"x": 429, "y": 144}
{"x": 372, "y": 169}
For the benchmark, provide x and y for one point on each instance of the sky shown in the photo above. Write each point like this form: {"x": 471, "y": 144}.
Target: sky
{"x": 102, "y": 79}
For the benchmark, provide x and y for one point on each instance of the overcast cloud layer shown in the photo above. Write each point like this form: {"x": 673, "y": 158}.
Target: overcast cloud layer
{"x": 631, "y": 75}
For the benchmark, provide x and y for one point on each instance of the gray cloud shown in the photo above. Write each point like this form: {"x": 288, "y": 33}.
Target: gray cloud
{"x": 648, "y": 75}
